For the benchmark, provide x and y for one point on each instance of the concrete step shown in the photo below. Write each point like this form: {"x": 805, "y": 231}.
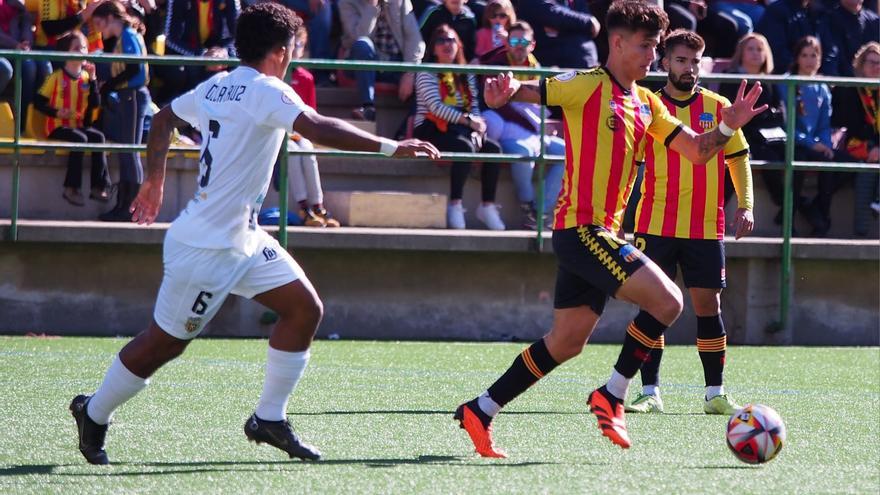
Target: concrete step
{"x": 387, "y": 209}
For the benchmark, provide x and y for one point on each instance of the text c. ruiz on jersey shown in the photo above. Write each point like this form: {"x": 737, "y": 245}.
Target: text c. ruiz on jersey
{"x": 220, "y": 94}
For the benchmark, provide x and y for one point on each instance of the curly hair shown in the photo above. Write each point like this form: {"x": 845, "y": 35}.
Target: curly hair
{"x": 632, "y": 15}
{"x": 264, "y": 27}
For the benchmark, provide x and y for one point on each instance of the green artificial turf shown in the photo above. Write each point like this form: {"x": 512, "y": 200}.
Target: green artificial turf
{"x": 381, "y": 412}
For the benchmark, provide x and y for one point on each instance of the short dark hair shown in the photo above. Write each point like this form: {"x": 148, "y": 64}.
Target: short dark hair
{"x": 263, "y": 27}
{"x": 523, "y": 26}
{"x": 633, "y": 15}
{"x": 682, "y": 37}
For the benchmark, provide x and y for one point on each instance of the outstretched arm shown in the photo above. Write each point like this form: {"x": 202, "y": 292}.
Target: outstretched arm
{"x": 341, "y": 135}
{"x": 145, "y": 208}
{"x": 499, "y": 90}
{"x": 700, "y": 148}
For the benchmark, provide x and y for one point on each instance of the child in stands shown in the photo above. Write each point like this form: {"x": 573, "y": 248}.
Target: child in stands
{"x": 68, "y": 98}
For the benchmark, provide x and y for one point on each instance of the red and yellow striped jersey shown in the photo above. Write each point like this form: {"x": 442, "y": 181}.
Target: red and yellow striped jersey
{"x": 50, "y": 10}
{"x": 605, "y": 127}
{"x": 64, "y": 91}
{"x": 679, "y": 198}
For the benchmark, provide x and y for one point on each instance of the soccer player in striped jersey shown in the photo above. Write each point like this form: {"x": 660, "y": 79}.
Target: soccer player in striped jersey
{"x": 680, "y": 218}
{"x": 607, "y": 119}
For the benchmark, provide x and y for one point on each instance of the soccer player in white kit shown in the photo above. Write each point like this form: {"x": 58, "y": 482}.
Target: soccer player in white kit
{"x": 215, "y": 247}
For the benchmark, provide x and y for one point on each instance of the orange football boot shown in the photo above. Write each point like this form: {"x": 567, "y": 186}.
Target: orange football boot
{"x": 611, "y": 418}
{"x": 480, "y": 435}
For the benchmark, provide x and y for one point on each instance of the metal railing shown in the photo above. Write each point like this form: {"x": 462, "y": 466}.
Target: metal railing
{"x": 789, "y": 165}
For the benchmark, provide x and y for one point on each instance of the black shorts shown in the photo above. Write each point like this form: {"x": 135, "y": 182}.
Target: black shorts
{"x": 593, "y": 264}
{"x": 701, "y": 260}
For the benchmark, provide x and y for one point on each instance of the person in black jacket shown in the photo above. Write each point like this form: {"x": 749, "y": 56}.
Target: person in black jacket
{"x": 564, "y": 32}
{"x": 457, "y": 15}
{"x": 843, "y": 32}
{"x": 184, "y": 35}
{"x": 784, "y": 23}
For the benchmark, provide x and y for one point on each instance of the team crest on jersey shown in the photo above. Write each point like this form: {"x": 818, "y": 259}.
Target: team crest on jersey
{"x": 192, "y": 324}
{"x": 707, "y": 121}
{"x": 566, "y": 76}
{"x": 269, "y": 254}
{"x": 287, "y": 100}
{"x": 613, "y": 123}
{"x": 629, "y": 253}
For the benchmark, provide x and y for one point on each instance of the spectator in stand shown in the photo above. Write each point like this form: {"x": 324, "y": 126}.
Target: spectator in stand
{"x": 745, "y": 13}
{"x": 384, "y": 30}
{"x": 448, "y": 116}
{"x": 844, "y": 32}
{"x": 453, "y": 13}
{"x": 858, "y": 109}
{"x": 497, "y": 18}
{"x": 517, "y": 126}
{"x": 719, "y": 29}
{"x": 813, "y": 132}
{"x": 125, "y": 99}
{"x": 54, "y": 18}
{"x": 785, "y": 23}
{"x": 420, "y": 6}
{"x": 16, "y": 34}
{"x": 766, "y": 132}
{"x": 317, "y": 15}
{"x": 196, "y": 28}
{"x": 563, "y": 35}
{"x": 68, "y": 98}
{"x": 302, "y": 170}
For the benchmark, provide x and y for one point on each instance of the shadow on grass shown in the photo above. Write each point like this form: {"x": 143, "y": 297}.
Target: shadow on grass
{"x": 193, "y": 467}
{"x": 424, "y": 412}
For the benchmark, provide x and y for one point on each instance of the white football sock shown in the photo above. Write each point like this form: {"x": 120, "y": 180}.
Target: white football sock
{"x": 651, "y": 390}
{"x": 283, "y": 371}
{"x": 714, "y": 391}
{"x": 119, "y": 385}
{"x": 618, "y": 385}
{"x": 489, "y": 406}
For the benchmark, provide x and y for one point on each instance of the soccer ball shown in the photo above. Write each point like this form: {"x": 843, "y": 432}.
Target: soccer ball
{"x": 755, "y": 434}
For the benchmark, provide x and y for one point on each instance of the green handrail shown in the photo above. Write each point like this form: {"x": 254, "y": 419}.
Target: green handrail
{"x": 789, "y": 166}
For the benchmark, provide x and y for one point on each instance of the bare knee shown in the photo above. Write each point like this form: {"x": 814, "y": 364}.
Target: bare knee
{"x": 707, "y": 302}
{"x": 667, "y": 307}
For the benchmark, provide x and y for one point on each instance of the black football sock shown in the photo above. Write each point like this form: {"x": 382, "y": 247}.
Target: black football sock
{"x": 712, "y": 346}
{"x": 642, "y": 336}
{"x": 529, "y": 367}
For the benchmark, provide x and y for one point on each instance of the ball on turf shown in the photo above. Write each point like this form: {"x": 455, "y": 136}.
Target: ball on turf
{"x": 755, "y": 434}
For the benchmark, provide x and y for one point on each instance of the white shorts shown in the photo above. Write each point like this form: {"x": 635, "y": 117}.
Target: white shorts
{"x": 197, "y": 281}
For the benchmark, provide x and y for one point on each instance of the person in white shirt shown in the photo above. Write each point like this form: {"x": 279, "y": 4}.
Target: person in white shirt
{"x": 215, "y": 248}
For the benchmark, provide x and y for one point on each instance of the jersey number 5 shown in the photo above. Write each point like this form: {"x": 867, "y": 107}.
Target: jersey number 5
{"x": 207, "y": 159}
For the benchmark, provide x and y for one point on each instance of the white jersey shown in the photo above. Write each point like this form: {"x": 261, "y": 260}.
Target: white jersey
{"x": 242, "y": 116}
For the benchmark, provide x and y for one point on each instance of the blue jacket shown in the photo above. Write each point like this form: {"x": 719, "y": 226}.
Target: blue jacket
{"x": 182, "y": 27}
{"x": 812, "y": 114}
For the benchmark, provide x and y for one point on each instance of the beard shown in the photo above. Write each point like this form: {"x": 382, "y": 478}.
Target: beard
{"x": 683, "y": 84}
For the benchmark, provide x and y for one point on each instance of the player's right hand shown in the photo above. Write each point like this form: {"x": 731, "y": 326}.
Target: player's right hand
{"x": 499, "y": 90}
{"x": 409, "y": 148}
{"x": 145, "y": 207}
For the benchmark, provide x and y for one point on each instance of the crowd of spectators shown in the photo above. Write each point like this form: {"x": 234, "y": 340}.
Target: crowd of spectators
{"x": 839, "y": 37}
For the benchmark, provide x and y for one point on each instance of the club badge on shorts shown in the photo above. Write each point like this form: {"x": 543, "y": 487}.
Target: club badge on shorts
{"x": 629, "y": 253}
{"x": 192, "y": 324}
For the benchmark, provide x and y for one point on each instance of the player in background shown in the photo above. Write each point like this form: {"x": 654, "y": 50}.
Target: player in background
{"x": 680, "y": 218}
{"x": 607, "y": 118}
{"x": 215, "y": 247}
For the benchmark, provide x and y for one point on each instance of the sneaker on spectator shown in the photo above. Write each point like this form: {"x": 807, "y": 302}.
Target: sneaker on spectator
{"x": 366, "y": 112}
{"x": 530, "y": 220}
{"x": 488, "y": 214}
{"x": 455, "y": 216}
{"x": 73, "y": 196}
{"x": 310, "y": 219}
{"x": 325, "y": 215}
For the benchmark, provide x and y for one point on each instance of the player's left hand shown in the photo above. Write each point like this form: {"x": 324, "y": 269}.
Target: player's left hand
{"x": 145, "y": 207}
{"x": 743, "y": 109}
{"x": 409, "y": 148}
{"x": 743, "y": 222}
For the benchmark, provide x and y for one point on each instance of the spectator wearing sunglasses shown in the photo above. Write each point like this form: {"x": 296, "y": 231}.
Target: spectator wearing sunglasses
{"x": 517, "y": 127}
{"x": 497, "y": 18}
{"x": 458, "y": 16}
{"x": 448, "y": 116}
